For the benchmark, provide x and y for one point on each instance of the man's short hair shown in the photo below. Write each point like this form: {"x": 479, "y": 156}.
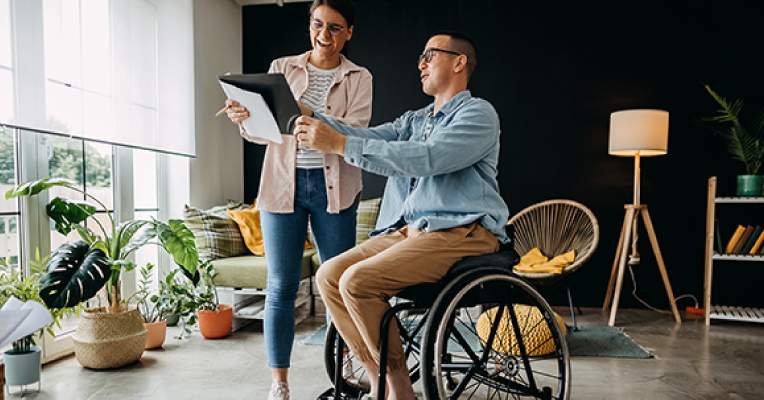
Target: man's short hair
{"x": 462, "y": 44}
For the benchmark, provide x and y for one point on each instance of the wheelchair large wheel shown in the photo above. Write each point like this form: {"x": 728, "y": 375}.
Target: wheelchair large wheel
{"x": 469, "y": 348}
{"x": 355, "y": 380}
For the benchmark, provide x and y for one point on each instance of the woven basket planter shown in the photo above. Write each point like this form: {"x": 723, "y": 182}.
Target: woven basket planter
{"x": 109, "y": 340}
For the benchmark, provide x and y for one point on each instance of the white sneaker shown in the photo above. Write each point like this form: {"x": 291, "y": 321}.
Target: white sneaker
{"x": 279, "y": 391}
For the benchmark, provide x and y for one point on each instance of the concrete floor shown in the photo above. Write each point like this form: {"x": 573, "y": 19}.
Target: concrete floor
{"x": 692, "y": 361}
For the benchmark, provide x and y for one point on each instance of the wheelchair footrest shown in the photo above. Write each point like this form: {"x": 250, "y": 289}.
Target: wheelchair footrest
{"x": 329, "y": 394}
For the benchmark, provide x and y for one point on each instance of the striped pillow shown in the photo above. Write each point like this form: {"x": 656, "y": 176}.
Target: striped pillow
{"x": 215, "y": 233}
{"x": 368, "y": 210}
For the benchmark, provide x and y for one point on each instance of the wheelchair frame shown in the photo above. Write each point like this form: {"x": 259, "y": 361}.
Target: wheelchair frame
{"x": 473, "y": 282}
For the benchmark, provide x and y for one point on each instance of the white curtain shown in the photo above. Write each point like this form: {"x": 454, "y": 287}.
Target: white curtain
{"x": 112, "y": 71}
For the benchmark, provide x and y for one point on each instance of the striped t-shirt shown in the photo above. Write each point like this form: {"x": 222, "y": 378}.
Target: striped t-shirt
{"x": 319, "y": 83}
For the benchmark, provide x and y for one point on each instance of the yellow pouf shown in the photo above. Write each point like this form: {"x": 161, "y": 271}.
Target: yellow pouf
{"x": 536, "y": 335}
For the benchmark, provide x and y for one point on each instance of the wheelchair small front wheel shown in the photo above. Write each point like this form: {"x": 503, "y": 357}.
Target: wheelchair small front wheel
{"x": 470, "y": 348}
{"x": 354, "y": 378}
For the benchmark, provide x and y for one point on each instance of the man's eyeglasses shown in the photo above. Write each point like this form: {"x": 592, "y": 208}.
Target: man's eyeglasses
{"x": 430, "y": 52}
{"x": 318, "y": 25}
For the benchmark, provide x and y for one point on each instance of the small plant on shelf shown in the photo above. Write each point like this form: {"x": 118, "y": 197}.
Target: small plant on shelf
{"x": 744, "y": 141}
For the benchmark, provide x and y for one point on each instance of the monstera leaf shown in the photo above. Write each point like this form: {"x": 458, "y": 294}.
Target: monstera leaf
{"x": 68, "y": 213}
{"x": 75, "y": 273}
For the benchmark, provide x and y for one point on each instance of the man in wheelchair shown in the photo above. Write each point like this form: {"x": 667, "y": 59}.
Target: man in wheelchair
{"x": 441, "y": 200}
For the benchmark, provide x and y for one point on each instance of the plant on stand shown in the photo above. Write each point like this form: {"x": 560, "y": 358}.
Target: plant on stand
{"x": 23, "y": 360}
{"x": 745, "y": 142}
{"x": 78, "y": 270}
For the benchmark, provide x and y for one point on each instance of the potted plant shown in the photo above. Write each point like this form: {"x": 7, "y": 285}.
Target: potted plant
{"x": 177, "y": 297}
{"x": 152, "y": 310}
{"x": 110, "y": 336}
{"x": 22, "y": 362}
{"x": 215, "y": 320}
{"x": 745, "y": 142}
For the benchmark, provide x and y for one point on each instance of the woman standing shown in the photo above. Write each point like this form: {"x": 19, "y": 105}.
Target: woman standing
{"x": 299, "y": 184}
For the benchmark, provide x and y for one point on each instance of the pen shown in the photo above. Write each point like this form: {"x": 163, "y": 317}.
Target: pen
{"x": 222, "y": 110}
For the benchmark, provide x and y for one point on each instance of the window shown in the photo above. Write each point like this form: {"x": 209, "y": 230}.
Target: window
{"x": 146, "y": 203}
{"x": 89, "y": 166}
{"x": 9, "y": 210}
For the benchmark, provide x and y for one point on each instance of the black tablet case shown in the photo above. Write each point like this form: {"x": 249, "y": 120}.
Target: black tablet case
{"x": 276, "y": 93}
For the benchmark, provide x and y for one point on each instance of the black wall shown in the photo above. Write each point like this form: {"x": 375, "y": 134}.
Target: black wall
{"x": 555, "y": 71}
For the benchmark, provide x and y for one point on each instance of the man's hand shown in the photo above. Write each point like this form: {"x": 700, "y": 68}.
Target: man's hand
{"x": 319, "y": 136}
{"x": 305, "y": 110}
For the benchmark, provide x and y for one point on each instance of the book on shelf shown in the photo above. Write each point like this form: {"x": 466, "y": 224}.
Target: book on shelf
{"x": 743, "y": 240}
{"x": 734, "y": 239}
{"x": 719, "y": 244}
{"x": 757, "y": 244}
{"x": 752, "y": 239}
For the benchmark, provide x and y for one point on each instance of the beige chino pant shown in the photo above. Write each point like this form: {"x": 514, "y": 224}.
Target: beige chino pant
{"x": 357, "y": 284}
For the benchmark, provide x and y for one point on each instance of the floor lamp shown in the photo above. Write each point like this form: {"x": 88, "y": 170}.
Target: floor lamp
{"x": 636, "y": 133}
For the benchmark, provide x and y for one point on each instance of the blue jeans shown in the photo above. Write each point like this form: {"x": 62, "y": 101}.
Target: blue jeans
{"x": 284, "y": 240}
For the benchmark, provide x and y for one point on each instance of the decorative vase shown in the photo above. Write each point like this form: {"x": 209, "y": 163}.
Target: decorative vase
{"x": 156, "y": 334}
{"x": 216, "y": 324}
{"x": 109, "y": 340}
{"x": 22, "y": 368}
{"x": 750, "y": 185}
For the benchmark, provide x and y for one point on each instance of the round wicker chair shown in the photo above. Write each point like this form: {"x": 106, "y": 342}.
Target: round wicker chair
{"x": 555, "y": 227}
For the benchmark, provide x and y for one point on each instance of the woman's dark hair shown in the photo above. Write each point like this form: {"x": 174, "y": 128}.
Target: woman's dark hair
{"x": 345, "y": 7}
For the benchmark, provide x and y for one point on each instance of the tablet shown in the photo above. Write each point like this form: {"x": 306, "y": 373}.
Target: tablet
{"x": 275, "y": 91}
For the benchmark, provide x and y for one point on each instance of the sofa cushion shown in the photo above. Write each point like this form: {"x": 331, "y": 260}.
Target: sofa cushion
{"x": 368, "y": 210}
{"x": 215, "y": 233}
{"x": 251, "y": 271}
{"x": 248, "y": 221}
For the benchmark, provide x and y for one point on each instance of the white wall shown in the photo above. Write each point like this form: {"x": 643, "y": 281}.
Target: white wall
{"x": 217, "y": 172}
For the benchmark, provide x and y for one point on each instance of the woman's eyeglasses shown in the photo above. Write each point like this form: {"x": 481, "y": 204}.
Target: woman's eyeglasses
{"x": 430, "y": 52}
{"x": 318, "y": 25}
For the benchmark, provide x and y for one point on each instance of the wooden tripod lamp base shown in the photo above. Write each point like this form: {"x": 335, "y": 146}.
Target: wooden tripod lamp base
{"x": 630, "y": 222}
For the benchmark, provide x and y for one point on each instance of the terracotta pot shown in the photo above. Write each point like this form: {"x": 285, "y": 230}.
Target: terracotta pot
{"x": 216, "y": 324}
{"x": 156, "y": 335}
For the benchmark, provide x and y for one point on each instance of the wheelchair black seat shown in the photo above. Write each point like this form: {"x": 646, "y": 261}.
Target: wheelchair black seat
{"x": 425, "y": 293}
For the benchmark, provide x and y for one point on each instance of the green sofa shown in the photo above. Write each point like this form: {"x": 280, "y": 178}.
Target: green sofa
{"x": 242, "y": 276}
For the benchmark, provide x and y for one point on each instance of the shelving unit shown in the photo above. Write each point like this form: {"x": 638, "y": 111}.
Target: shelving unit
{"x": 723, "y": 312}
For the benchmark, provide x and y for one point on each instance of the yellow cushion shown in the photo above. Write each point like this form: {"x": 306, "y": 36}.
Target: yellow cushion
{"x": 249, "y": 226}
{"x": 248, "y": 221}
{"x": 536, "y": 262}
{"x": 537, "y": 337}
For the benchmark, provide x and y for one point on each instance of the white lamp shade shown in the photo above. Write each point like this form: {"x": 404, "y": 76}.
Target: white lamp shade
{"x": 643, "y": 132}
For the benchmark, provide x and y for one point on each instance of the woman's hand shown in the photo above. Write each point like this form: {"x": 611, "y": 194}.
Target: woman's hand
{"x": 236, "y": 112}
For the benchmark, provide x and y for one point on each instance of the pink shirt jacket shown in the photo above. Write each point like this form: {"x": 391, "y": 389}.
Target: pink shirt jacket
{"x": 349, "y": 102}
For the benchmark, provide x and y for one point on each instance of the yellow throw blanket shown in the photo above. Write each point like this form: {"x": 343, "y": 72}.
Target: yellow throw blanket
{"x": 536, "y": 262}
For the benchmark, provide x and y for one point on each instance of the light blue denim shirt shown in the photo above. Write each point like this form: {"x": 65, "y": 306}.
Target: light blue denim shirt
{"x": 438, "y": 178}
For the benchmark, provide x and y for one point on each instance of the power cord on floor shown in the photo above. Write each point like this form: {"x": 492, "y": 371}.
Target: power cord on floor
{"x": 634, "y": 293}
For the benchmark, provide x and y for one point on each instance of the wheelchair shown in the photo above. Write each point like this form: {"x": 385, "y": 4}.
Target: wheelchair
{"x": 460, "y": 338}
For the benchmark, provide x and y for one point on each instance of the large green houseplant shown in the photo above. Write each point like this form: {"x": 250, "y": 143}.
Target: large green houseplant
{"x": 78, "y": 270}
{"x": 744, "y": 141}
